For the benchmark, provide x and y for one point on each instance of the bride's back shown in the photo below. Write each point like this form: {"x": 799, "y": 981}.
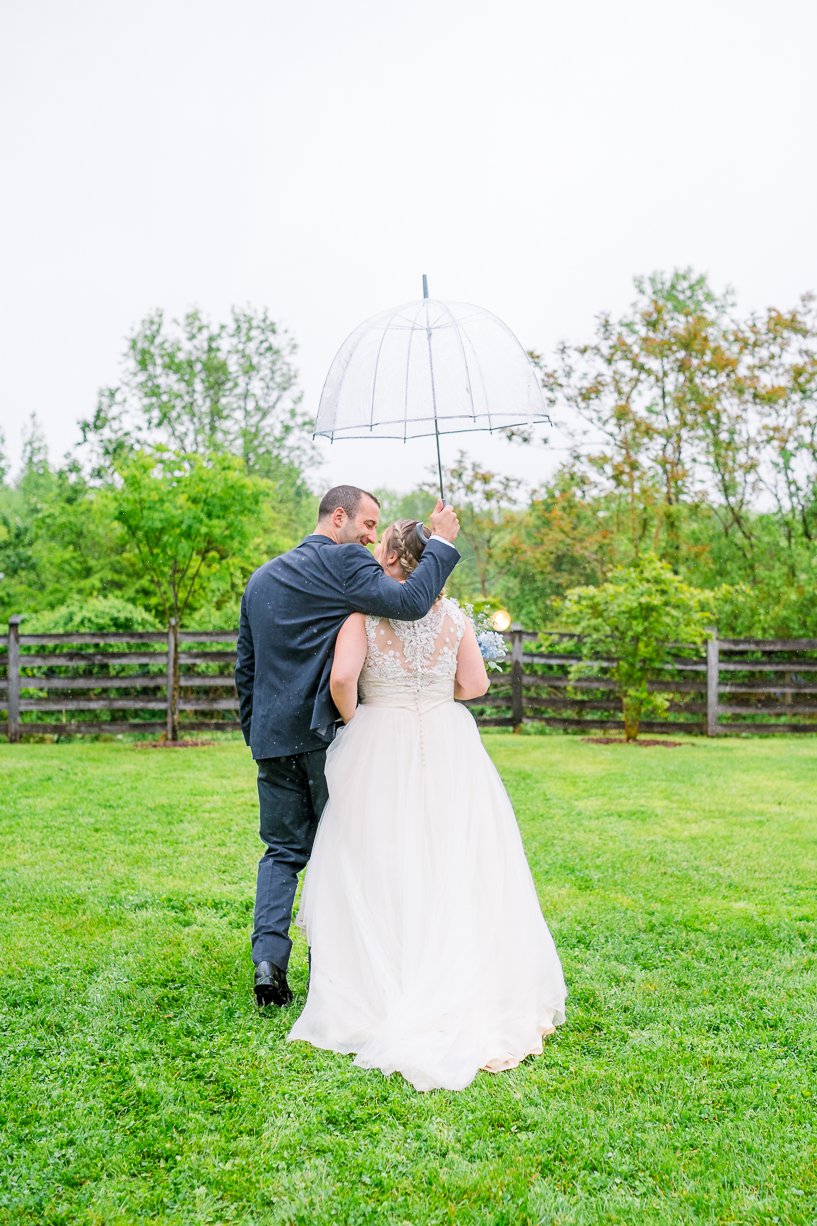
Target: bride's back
{"x": 415, "y": 661}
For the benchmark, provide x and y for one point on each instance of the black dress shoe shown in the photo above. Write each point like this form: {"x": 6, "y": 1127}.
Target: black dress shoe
{"x": 271, "y": 987}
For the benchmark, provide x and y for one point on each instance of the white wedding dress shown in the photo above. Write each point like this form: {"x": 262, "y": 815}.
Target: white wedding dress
{"x": 430, "y": 956}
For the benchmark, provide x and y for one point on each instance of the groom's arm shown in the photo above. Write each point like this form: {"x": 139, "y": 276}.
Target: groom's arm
{"x": 369, "y": 590}
{"x": 245, "y": 670}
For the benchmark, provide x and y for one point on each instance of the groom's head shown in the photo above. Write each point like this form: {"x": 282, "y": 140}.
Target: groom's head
{"x": 348, "y": 514}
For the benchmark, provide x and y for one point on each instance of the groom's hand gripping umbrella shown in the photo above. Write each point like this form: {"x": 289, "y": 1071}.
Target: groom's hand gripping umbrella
{"x": 429, "y": 368}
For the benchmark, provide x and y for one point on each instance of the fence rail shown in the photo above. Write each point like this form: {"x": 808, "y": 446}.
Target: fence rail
{"x": 176, "y": 681}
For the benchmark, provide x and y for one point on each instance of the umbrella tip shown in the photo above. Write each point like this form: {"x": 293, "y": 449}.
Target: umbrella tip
{"x": 425, "y": 286}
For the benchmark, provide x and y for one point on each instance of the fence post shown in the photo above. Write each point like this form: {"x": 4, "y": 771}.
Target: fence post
{"x": 13, "y": 678}
{"x": 172, "y": 680}
{"x": 712, "y": 682}
{"x": 517, "y": 678}
{"x": 788, "y": 693}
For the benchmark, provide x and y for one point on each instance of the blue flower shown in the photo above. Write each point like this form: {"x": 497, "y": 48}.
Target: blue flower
{"x": 491, "y": 643}
{"x": 492, "y": 646}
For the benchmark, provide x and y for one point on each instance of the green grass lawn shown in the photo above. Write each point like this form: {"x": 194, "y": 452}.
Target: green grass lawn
{"x": 139, "y": 1084}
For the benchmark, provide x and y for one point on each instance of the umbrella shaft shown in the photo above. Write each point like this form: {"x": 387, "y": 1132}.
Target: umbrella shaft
{"x": 439, "y": 462}
{"x": 433, "y": 395}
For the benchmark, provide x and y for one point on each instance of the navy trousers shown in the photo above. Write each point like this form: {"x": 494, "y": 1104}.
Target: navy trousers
{"x": 292, "y": 794}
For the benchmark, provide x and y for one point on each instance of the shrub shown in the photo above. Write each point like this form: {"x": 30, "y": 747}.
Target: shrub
{"x": 102, "y": 614}
{"x": 636, "y": 618}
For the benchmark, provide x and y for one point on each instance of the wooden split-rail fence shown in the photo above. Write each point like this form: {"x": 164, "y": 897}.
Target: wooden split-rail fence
{"x": 169, "y": 683}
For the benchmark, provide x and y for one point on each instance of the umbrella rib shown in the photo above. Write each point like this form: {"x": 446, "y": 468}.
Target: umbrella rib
{"x": 412, "y": 330}
{"x": 450, "y": 313}
{"x": 425, "y": 303}
{"x": 467, "y": 340}
{"x": 533, "y": 375}
{"x": 405, "y": 400}
{"x": 392, "y": 317}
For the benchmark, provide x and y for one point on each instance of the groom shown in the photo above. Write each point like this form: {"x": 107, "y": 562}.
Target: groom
{"x": 291, "y": 612}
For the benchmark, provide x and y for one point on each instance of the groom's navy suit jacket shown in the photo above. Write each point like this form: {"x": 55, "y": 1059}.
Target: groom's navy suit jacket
{"x": 291, "y": 612}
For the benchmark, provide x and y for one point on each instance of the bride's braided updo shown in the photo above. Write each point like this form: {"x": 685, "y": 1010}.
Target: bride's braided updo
{"x": 404, "y": 541}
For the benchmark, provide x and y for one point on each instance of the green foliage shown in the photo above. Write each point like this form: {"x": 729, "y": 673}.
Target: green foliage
{"x": 414, "y": 504}
{"x": 199, "y": 387}
{"x": 287, "y": 513}
{"x": 188, "y": 521}
{"x": 101, "y": 614}
{"x": 635, "y": 617}
{"x": 563, "y": 538}
{"x": 644, "y": 386}
{"x": 570, "y": 536}
{"x": 58, "y": 539}
{"x": 62, "y": 541}
{"x": 171, "y": 529}
{"x": 692, "y": 433}
{"x": 139, "y": 1085}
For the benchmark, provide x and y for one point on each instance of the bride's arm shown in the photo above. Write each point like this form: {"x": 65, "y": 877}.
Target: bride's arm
{"x": 350, "y": 653}
{"x": 471, "y": 680}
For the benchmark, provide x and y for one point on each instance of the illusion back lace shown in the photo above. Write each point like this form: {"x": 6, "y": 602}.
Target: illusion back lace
{"x": 412, "y": 663}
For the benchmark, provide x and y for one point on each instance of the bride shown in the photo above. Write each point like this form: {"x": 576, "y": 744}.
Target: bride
{"x": 429, "y": 953}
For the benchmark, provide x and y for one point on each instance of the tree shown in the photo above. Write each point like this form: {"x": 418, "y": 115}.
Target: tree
{"x": 635, "y": 618}
{"x": 643, "y": 386}
{"x": 58, "y": 537}
{"x": 34, "y": 465}
{"x": 189, "y": 520}
{"x": 565, "y": 537}
{"x": 198, "y": 387}
{"x": 783, "y": 380}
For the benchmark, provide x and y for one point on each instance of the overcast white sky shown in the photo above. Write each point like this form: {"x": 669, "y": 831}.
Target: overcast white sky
{"x": 317, "y": 158}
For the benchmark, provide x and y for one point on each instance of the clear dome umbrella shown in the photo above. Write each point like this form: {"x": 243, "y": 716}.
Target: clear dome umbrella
{"x": 429, "y": 368}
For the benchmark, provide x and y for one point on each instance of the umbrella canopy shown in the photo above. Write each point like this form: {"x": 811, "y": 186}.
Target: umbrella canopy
{"x": 429, "y": 368}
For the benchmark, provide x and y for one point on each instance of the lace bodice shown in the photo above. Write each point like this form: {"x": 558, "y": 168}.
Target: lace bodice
{"x": 412, "y": 660}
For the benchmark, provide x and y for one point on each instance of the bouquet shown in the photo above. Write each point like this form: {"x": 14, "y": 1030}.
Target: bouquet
{"x": 490, "y": 642}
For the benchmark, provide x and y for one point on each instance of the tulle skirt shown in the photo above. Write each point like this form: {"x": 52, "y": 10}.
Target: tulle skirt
{"x": 430, "y": 955}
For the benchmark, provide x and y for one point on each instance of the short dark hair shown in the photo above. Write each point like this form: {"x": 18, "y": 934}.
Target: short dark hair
{"x": 346, "y": 496}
